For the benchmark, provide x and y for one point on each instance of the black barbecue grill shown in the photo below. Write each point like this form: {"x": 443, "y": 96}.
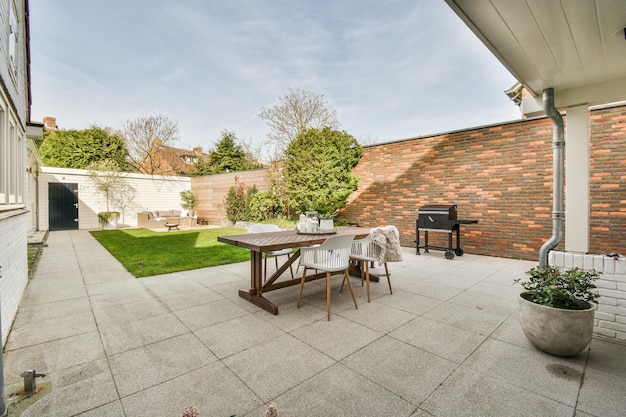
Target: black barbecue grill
{"x": 440, "y": 218}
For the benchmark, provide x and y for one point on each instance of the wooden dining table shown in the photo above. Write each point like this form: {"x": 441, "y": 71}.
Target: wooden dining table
{"x": 258, "y": 243}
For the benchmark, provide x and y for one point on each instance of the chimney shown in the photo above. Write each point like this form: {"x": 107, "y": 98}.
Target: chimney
{"x": 198, "y": 149}
{"x": 50, "y": 123}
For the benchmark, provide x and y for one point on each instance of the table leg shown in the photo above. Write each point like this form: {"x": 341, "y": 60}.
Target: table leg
{"x": 255, "y": 294}
{"x": 256, "y": 272}
{"x": 259, "y": 301}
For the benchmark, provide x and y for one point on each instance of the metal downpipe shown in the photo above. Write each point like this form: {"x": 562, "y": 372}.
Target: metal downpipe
{"x": 558, "y": 175}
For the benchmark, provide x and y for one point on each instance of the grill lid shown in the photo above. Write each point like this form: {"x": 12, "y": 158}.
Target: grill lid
{"x": 438, "y": 209}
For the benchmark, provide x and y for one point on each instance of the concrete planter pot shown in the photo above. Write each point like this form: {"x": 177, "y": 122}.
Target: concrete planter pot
{"x": 556, "y": 331}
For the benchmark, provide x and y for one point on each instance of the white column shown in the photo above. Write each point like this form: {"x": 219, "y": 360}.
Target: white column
{"x": 577, "y": 179}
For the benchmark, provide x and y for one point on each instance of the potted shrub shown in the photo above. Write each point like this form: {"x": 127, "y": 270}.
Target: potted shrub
{"x": 188, "y": 199}
{"x": 107, "y": 178}
{"x": 555, "y": 311}
{"x": 327, "y": 221}
{"x": 108, "y": 219}
{"x": 188, "y": 203}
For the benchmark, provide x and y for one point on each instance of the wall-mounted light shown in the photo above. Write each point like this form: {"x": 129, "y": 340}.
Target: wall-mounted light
{"x": 621, "y": 32}
{"x": 29, "y": 170}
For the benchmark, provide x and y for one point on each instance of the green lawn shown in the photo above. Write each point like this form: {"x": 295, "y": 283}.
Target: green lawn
{"x": 144, "y": 252}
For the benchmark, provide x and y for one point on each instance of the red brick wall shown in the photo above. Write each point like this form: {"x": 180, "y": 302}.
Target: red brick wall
{"x": 501, "y": 176}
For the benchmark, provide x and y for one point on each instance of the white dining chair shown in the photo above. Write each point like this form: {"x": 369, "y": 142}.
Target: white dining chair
{"x": 331, "y": 256}
{"x": 260, "y": 228}
{"x": 365, "y": 251}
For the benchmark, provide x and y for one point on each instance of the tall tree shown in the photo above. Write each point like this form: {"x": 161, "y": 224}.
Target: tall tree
{"x": 80, "y": 148}
{"x": 147, "y": 138}
{"x": 227, "y": 156}
{"x": 297, "y": 111}
{"x": 319, "y": 168}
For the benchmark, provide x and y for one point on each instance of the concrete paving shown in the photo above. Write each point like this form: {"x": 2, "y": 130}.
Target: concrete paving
{"x": 446, "y": 343}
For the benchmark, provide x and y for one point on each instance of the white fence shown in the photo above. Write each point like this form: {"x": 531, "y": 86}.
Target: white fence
{"x": 151, "y": 192}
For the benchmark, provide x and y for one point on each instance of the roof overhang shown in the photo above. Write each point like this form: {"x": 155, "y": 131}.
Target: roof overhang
{"x": 578, "y": 48}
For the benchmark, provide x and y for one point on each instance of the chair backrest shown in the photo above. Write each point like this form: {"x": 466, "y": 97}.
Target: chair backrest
{"x": 365, "y": 247}
{"x": 260, "y": 228}
{"x": 332, "y": 255}
{"x": 337, "y": 242}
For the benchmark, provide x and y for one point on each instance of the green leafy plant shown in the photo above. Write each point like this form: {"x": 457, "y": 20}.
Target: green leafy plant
{"x": 188, "y": 198}
{"x": 571, "y": 289}
{"x": 319, "y": 170}
{"x": 104, "y": 217}
{"x": 237, "y": 201}
{"x": 265, "y": 205}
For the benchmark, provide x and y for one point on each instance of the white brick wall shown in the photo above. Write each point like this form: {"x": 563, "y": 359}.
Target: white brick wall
{"x": 13, "y": 260}
{"x": 151, "y": 193}
{"x": 610, "y": 314}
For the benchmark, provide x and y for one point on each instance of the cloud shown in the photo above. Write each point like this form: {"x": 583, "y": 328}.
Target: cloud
{"x": 391, "y": 69}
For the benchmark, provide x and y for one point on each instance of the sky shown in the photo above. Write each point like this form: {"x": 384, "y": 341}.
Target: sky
{"x": 392, "y": 69}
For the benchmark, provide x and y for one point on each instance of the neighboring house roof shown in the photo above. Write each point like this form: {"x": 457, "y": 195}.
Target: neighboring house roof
{"x": 176, "y": 161}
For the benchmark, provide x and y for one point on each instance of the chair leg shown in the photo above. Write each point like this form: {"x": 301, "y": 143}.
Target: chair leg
{"x": 345, "y": 274}
{"x": 328, "y": 294}
{"x": 388, "y": 278}
{"x": 343, "y": 281}
{"x": 301, "y": 286}
{"x": 367, "y": 280}
{"x": 362, "y": 269}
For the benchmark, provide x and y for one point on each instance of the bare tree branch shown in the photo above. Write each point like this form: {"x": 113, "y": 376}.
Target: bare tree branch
{"x": 297, "y": 111}
{"x": 147, "y": 138}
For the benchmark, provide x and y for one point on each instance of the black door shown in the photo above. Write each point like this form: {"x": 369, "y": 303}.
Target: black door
{"x": 62, "y": 206}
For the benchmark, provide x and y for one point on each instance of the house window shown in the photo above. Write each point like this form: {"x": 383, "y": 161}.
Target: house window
{"x": 12, "y": 163}
{"x": 14, "y": 31}
{"x": 190, "y": 159}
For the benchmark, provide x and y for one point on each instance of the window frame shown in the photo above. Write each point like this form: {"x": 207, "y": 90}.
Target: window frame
{"x": 12, "y": 160}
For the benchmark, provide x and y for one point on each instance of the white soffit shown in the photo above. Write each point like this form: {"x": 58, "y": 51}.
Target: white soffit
{"x": 577, "y": 47}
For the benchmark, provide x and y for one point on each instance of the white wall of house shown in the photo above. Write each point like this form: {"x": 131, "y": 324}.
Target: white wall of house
{"x": 14, "y": 84}
{"x": 151, "y": 193}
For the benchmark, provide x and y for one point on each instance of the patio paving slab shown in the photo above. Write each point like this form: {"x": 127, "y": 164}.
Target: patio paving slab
{"x": 45, "y": 330}
{"x": 446, "y": 343}
{"x": 236, "y": 335}
{"x": 290, "y": 363}
{"x": 413, "y": 378}
{"x": 126, "y": 336}
{"x": 470, "y": 393}
{"x": 340, "y": 388}
{"x": 441, "y": 339}
{"x": 53, "y": 356}
{"x": 112, "y": 315}
{"x": 336, "y": 338}
{"x": 76, "y": 390}
{"x": 150, "y": 365}
{"x": 206, "y": 315}
{"x": 550, "y": 376}
{"x": 602, "y": 394}
{"x": 214, "y": 389}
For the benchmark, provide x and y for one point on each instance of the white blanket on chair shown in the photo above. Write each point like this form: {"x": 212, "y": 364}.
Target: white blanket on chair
{"x": 388, "y": 238}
